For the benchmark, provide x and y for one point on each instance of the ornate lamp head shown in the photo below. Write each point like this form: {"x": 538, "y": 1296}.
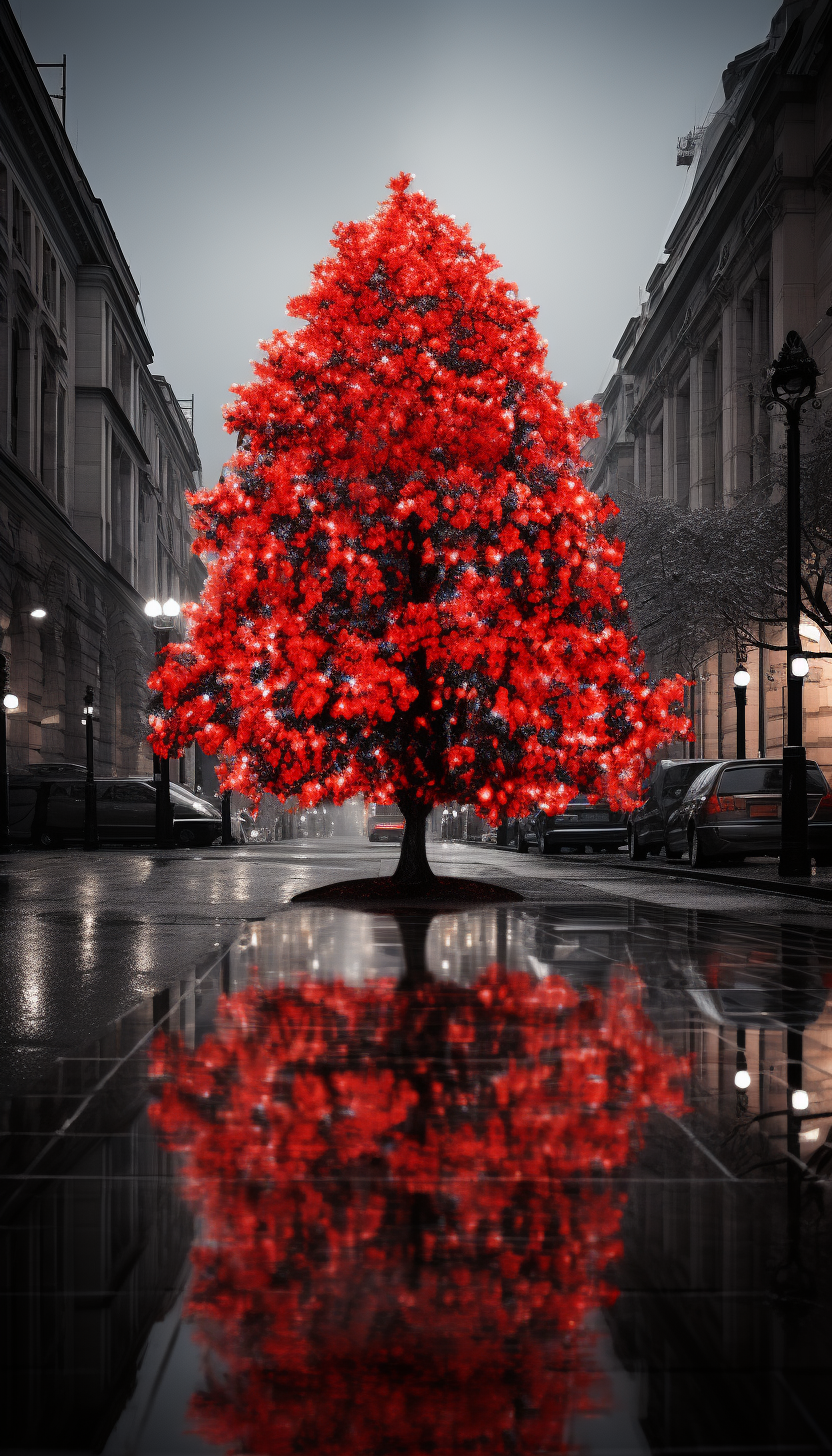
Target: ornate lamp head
{"x": 793, "y": 374}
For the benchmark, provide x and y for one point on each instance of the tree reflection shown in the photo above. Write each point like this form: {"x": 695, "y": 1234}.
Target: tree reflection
{"x": 405, "y": 1207}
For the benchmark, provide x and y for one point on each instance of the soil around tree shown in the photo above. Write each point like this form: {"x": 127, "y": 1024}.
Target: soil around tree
{"x": 388, "y": 893}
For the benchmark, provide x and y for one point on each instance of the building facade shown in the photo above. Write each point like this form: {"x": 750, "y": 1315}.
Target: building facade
{"x": 95, "y": 451}
{"x": 749, "y": 258}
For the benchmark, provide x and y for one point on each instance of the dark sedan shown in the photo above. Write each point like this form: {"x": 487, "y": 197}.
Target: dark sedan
{"x": 48, "y": 810}
{"x": 582, "y": 825}
{"x": 733, "y": 809}
{"x": 663, "y": 792}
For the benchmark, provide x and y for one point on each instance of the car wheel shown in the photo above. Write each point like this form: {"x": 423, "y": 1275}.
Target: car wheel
{"x": 698, "y": 858}
{"x": 635, "y": 849}
{"x": 186, "y": 836}
{"x": 672, "y": 853}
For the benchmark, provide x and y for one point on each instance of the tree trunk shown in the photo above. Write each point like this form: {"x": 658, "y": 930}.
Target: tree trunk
{"x": 413, "y": 868}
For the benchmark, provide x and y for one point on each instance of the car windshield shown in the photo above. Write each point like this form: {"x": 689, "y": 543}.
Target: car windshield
{"x": 679, "y": 778}
{"x": 766, "y": 778}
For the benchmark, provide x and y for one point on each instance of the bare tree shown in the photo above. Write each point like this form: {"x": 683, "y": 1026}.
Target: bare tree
{"x": 717, "y": 577}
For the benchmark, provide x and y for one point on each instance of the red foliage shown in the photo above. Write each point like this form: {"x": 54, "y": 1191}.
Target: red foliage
{"x": 403, "y": 1213}
{"x": 409, "y": 589}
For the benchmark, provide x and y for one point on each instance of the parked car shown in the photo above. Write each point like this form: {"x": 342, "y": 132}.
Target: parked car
{"x": 733, "y": 809}
{"x": 48, "y": 811}
{"x": 663, "y": 792}
{"x": 581, "y": 825}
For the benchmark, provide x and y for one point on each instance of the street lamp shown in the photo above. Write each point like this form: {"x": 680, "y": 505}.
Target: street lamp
{"x": 793, "y": 380}
{"x": 742, "y": 678}
{"x": 162, "y": 617}
{"x": 90, "y": 805}
{"x": 9, "y": 704}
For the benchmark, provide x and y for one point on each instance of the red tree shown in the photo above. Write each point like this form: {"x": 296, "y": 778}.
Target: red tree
{"x": 405, "y": 1208}
{"x": 409, "y": 590}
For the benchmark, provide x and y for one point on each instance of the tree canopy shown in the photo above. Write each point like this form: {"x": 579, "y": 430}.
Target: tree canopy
{"x": 410, "y": 589}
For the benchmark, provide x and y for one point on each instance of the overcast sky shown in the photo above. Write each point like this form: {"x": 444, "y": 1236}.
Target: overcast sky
{"x": 225, "y": 139}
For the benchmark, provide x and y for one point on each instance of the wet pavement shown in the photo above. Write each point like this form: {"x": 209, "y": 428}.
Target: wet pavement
{"x": 291, "y": 1179}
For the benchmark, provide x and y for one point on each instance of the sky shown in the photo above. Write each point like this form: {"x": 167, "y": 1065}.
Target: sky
{"x": 226, "y": 139}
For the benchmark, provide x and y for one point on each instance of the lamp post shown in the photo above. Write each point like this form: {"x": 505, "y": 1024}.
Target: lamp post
{"x": 162, "y": 618}
{"x": 742, "y": 678}
{"x": 9, "y": 703}
{"x": 793, "y": 379}
{"x": 90, "y": 805}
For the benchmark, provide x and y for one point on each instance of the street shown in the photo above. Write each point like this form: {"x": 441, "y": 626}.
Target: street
{"x": 715, "y": 1181}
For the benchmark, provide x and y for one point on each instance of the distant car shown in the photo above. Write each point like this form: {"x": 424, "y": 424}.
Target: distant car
{"x": 49, "y": 811}
{"x": 385, "y": 824}
{"x": 663, "y": 792}
{"x": 582, "y": 825}
{"x": 733, "y": 809}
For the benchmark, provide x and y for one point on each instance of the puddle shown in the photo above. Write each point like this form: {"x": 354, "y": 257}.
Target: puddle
{"x": 526, "y": 1179}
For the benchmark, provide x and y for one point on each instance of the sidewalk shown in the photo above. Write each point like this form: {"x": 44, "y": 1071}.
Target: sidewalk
{"x": 760, "y": 875}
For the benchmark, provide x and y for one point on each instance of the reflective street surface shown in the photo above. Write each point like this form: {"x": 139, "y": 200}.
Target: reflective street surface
{"x": 547, "y": 1178}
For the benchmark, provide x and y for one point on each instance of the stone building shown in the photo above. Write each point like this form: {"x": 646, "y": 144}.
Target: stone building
{"x": 749, "y": 258}
{"x": 95, "y": 451}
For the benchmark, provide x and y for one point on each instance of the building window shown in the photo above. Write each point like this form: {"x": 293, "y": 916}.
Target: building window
{"x": 63, "y": 305}
{"x": 122, "y": 374}
{"x": 681, "y": 491}
{"x": 711, "y": 457}
{"x": 4, "y": 367}
{"x": 49, "y": 428}
{"x": 21, "y": 226}
{"x": 122, "y": 510}
{"x": 20, "y": 392}
{"x": 60, "y": 447}
{"x": 49, "y": 280}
